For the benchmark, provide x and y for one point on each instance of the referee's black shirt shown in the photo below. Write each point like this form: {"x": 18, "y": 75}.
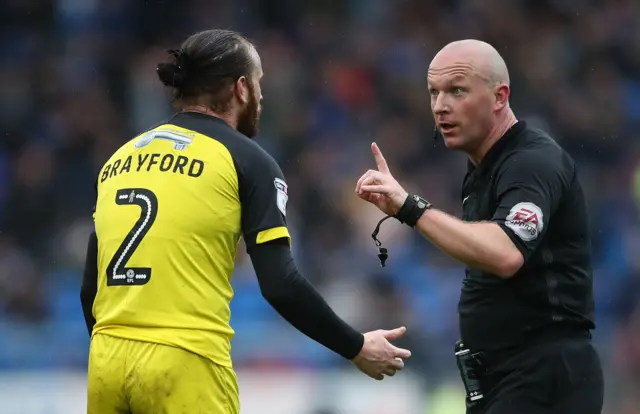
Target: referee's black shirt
{"x": 528, "y": 185}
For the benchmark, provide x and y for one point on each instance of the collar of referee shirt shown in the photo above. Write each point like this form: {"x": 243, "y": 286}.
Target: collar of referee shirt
{"x": 492, "y": 155}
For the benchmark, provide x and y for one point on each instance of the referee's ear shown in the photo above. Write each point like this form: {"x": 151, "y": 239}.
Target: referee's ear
{"x": 502, "y": 93}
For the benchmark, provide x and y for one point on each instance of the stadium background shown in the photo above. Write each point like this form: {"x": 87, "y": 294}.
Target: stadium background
{"x": 77, "y": 79}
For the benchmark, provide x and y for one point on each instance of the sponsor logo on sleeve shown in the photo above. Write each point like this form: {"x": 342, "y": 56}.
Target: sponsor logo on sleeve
{"x": 281, "y": 195}
{"x": 525, "y": 219}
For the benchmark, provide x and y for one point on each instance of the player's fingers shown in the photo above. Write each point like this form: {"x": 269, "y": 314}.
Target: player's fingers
{"x": 381, "y": 163}
{"x": 395, "y": 333}
{"x": 397, "y": 364}
{"x": 401, "y": 353}
{"x": 390, "y": 371}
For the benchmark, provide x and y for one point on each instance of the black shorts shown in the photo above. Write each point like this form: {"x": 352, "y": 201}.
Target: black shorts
{"x": 562, "y": 377}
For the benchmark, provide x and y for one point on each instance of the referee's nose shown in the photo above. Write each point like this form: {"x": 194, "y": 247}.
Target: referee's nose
{"x": 439, "y": 106}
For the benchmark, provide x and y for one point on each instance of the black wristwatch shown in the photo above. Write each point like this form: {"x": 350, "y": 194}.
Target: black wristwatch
{"x": 413, "y": 208}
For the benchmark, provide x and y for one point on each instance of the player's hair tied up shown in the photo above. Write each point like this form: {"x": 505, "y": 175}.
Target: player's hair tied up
{"x": 174, "y": 74}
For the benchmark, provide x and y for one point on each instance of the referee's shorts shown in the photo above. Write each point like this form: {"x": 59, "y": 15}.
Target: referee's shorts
{"x": 560, "y": 377}
{"x": 137, "y": 377}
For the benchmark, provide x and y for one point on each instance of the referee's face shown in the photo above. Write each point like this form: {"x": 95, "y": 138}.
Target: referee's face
{"x": 461, "y": 102}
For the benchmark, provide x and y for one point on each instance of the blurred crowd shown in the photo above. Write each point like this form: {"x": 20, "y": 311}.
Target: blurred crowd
{"x": 78, "y": 79}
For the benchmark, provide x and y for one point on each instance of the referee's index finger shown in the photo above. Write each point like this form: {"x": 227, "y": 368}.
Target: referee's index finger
{"x": 380, "y": 161}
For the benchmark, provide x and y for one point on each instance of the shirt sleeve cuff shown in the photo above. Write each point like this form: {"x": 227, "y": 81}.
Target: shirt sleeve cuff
{"x": 517, "y": 241}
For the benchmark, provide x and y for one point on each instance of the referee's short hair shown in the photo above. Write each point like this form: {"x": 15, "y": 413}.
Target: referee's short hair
{"x": 206, "y": 66}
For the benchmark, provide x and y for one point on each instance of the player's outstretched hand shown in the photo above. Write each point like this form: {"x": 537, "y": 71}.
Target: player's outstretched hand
{"x": 379, "y": 187}
{"x": 378, "y": 356}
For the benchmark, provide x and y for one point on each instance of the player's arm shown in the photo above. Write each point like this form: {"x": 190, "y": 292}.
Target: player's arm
{"x": 296, "y": 300}
{"x": 263, "y": 195}
{"x": 89, "y": 287}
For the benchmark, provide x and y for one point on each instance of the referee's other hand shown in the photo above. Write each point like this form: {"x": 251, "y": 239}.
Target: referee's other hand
{"x": 379, "y": 357}
{"x": 379, "y": 187}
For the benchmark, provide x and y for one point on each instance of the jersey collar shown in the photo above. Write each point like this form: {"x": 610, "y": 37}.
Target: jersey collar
{"x": 494, "y": 152}
{"x": 200, "y": 115}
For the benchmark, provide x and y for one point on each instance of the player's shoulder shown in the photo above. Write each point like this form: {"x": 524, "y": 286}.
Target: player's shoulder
{"x": 125, "y": 148}
{"x": 536, "y": 150}
{"x": 244, "y": 151}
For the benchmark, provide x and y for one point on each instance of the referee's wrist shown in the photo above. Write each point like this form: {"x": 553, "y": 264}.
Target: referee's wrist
{"x": 412, "y": 209}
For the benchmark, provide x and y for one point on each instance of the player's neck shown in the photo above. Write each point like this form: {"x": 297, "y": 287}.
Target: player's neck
{"x": 226, "y": 117}
{"x": 499, "y": 129}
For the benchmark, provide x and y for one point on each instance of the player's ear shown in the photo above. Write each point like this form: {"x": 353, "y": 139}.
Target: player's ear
{"x": 241, "y": 89}
{"x": 502, "y": 93}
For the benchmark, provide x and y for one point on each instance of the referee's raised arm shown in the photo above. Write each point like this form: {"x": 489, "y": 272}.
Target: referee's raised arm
{"x": 483, "y": 244}
{"x": 526, "y": 307}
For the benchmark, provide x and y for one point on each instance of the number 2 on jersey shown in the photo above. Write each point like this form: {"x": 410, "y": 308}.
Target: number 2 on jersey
{"x": 118, "y": 274}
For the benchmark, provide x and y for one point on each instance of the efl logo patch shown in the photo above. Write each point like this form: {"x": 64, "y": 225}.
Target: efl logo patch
{"x": 525, "y": 219}
{"x": 281, "y": 195}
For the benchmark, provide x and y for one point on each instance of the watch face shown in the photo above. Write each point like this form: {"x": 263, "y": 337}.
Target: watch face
{"x": 421, "y": 202}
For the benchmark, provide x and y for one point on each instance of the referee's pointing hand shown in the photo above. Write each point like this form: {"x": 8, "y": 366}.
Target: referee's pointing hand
{"x": 379, "y": 187}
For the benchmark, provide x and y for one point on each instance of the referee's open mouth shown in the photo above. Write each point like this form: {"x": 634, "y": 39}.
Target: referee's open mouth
{"x": 447, "y": 127}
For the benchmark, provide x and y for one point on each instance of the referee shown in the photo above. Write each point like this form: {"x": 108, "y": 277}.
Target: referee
{"x": 526, "y": 308}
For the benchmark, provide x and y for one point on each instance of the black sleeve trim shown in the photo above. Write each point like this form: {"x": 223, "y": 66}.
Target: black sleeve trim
{"x": 262, "y": 191}
{"x": 89, "y": 287}
{"x": 296, "y": 300}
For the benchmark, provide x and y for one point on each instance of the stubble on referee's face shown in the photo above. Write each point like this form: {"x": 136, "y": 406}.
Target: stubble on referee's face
{"x": 461, "y": 101}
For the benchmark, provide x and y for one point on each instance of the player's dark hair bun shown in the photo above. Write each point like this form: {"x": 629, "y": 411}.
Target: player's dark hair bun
{"x": 173, "y": 73}
{"x": 207, "y": 63}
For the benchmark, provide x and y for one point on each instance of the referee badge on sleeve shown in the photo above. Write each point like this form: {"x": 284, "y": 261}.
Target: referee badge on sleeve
{"x": 525, "y": 219}
{"x": 281, "y": 195}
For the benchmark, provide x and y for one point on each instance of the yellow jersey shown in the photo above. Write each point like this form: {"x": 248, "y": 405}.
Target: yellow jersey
{"x": 171, "y": 207}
